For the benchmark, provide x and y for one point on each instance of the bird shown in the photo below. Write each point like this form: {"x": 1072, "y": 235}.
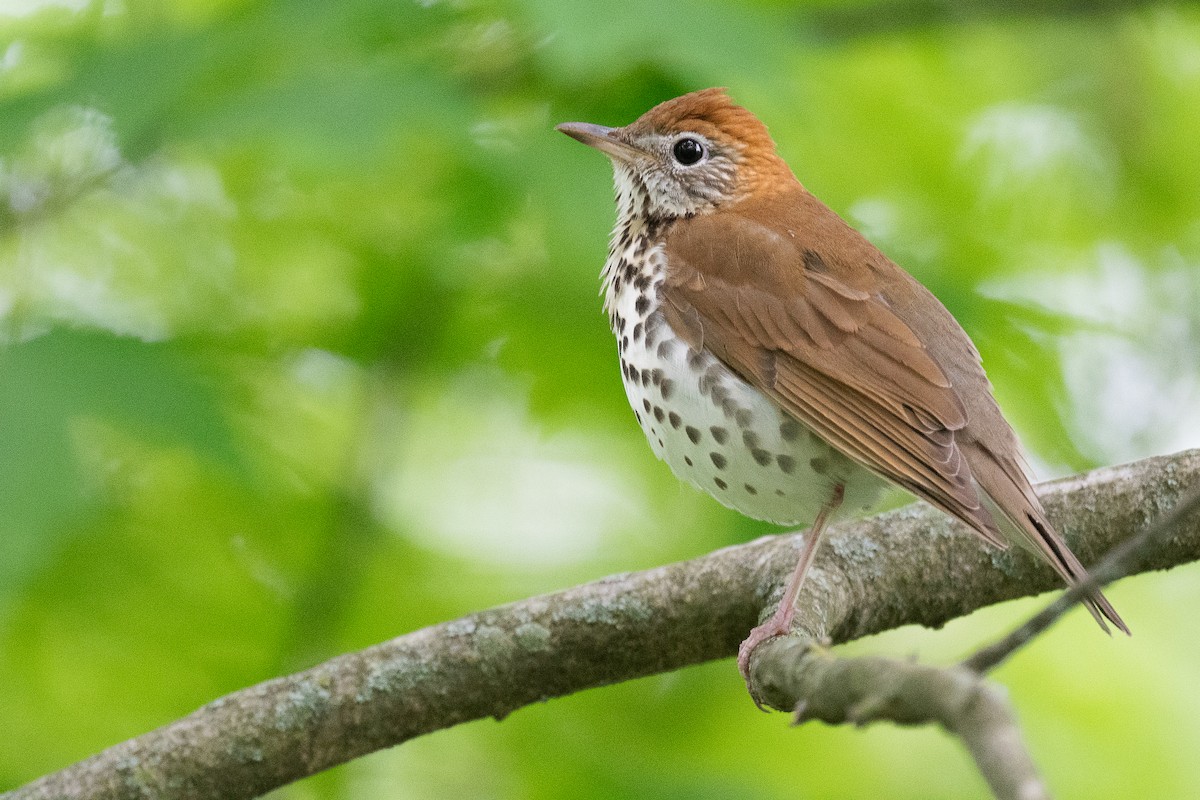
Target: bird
{"x": 780, "y": 362}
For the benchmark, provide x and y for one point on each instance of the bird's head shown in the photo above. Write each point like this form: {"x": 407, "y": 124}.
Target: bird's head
{"x": 687, "y": 156}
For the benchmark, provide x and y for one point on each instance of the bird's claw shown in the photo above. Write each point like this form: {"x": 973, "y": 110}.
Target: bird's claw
{"x": 777, "y": 625}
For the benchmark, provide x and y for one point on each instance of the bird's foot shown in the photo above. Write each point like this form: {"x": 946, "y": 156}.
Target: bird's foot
{"x": 780, "y": 624}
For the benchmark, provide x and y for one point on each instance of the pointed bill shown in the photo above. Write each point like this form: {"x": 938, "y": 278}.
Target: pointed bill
{"x": 606, "y": 140}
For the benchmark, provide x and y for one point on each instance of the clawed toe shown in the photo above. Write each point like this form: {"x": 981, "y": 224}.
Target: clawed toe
{"x": 775, "y": 626}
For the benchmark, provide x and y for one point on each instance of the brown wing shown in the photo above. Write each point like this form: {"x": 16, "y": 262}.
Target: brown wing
{"x": 778, "y": 303}
{"x": 987, "y": 441}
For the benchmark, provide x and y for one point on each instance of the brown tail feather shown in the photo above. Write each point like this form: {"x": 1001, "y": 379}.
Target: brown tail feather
{"x": 1011, "y": 498}
{"x": 1067, "y": 565}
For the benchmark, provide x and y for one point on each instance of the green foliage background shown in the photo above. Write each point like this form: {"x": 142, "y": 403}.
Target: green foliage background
{"x": 302, "y": 351}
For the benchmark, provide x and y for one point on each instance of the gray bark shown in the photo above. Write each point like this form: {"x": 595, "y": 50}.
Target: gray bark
{"x": 913, "y": 565}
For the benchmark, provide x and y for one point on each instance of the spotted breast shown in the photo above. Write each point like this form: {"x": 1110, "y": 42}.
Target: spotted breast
{"x": 713, "y": 429}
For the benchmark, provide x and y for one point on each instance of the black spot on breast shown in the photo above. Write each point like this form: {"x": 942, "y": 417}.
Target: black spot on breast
{"x": 750, "y": 439}
{"x": 646, "y": 405}
{"x": 642, "y": 305}
{"x": 637, "y": 332}
{"x": 789, "y": 429}
{"x": 761, "y": 456}
{"x": 743, "y": 417}
{"x": 750, "y": 489}
{"x": 664, "y": 348}
{"x": 656, "y": 377}
{"x": 687, "y": 460}
{"x": 645, "y": 377}
{"x": 658, "y": 413}
{"x": 692, "y": 433}
{"x": 642, "y": 282}
{"x": 667, "y": 388}
{"x": 819, "y": 464}
{"x": 786, "y": 463}
{"x": 695, "y": 359}
{"x": 814, "y": 262}
{"x": 720, "y": 483}
{"x": 674, "y": 419}
{"x": 719, "y": 433}
{"x": 719, "y": 461}
{"x": 624, "y": 344}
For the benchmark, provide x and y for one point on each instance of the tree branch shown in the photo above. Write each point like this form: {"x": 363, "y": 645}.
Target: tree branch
{"x": 795, "y": 672}
{"x": 913, "y": 565}
{"x": 1113, "y": 566}
{"x": 790, "y": 671}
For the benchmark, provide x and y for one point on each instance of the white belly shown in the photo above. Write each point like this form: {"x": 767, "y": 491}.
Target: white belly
{"x": 713, "y": 429}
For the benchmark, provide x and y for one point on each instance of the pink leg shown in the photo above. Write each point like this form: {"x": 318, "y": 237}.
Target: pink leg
{"x": 780, "y": 622}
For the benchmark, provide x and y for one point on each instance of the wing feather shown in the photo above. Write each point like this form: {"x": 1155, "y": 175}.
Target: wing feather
{"x": 830, "y": 354}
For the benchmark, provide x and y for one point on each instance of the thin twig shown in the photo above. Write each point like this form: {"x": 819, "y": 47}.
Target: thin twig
{"x": 792, "y": 672}
{"x": 1115, "y": 565}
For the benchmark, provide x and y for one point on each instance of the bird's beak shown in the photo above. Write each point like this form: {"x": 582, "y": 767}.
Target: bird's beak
{"x": 603, "y": 139}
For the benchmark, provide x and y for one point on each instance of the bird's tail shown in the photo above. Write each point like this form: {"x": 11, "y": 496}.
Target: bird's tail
{"x": 1010, "y": 497}
{"x": 1053, "y": 549}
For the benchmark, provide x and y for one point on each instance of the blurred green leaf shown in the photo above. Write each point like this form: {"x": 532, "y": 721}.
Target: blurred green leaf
{"x": 157, "y": 391}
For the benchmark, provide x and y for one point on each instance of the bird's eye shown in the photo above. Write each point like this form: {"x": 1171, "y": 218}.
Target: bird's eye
{"x": 688, "y": 151}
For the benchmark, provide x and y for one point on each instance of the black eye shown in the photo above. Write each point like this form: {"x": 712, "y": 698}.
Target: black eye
{"x": 688, "y": 151}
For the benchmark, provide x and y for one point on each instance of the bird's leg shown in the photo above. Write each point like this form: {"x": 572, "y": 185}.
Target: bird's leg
{"x": 780, "y": 622}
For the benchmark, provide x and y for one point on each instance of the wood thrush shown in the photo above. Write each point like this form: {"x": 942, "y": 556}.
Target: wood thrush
{"x": 780, "y": 362}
